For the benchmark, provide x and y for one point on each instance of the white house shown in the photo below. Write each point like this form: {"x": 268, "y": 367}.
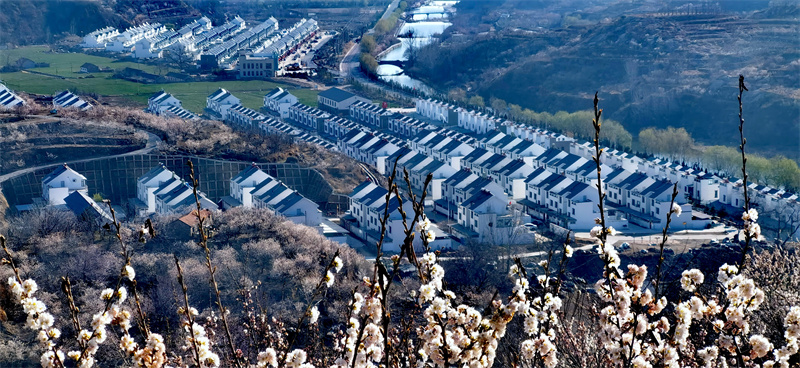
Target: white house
{"x": 161, "y": 190}
{"x": 487, "y": 218}
{"x": 252, "y": 187}
{"x": 370, "y": 114}
{"x": 569, "y": 204}
{"x": 70, "y": 100}
{"x": 478, "y": 122}
{"x": 157, "y": 178}
{"x": 125, "y": 41}
{"x": 180, "y": 198}
{"x": 338, "y": 127}
{"x": 98, "y": 38}
{"x": 278, "y": 100}
{"x": 406, "y": 126}
{"x": 437, "y": 111}
{"x": 290, "y": 204}
{"x": 8, "y": 99}
{"x": 367, "y": 206}
{"x": 62, "y": 182}
{"x": 308, "y": 117}
{"x": 337, "y": 101}
{"x": 244, "y": 182}
{"x": 513, "y": 176}
{"x": 244, "y": 117}
{"x": 161, "y": 101}
{"x": 220, "y": 102}
{"x": 461, "y": 186}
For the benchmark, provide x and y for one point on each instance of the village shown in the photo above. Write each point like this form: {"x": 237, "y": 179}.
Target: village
{"x": 494, "y": 181}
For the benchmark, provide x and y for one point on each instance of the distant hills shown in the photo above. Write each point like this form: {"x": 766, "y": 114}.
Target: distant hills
{"x": 25, "y": 22}
{"x": 654, "y": 65}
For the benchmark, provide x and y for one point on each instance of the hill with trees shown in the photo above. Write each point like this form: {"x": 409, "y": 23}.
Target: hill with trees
{"x": 658, "y": 66}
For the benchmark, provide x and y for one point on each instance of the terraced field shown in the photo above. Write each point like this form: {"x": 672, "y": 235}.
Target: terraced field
{"x": 40, "y": 141}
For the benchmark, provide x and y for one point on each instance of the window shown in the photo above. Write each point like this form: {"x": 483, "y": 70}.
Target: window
{"x": 716, "y": 193}
{"x": 657, "y": 211}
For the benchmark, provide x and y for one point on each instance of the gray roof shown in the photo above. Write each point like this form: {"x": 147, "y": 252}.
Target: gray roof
{"x": 336, "y": 94}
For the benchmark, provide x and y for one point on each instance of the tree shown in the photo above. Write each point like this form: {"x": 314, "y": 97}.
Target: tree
{"x": 457, "y": 94}
{"x": 180, "y": 57}
{"x": 476, "y": 101}
{"x": 674, "y": 143}
{"x": 368, "y": 64}
{"x": 499, "y": 106}
{"x": 368, "y": 44}
{"x": 785, "y": 172}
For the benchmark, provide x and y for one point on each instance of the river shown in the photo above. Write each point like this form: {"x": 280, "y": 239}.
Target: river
{"x": 423, "y": 31}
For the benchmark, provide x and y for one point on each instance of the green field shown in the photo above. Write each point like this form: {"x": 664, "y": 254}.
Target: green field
{"x": 69, "y": 64}
{"x": 192, "y": 95}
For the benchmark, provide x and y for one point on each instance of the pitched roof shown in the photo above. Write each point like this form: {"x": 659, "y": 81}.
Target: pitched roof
{"x": 191, "y": 217}
{"x": 79, "y": 203}
{"x": 660, "y": 186}
{"x": 458, "y": 177}
{"x": 58, "y": 171}
{"x": 477, "y": 199}
{"x": 158, "y": 169}
{"x": 246, "y": 173}
{"x": 573, "y": 189}
{"x": 336, "y": 94}
{"x": 633, "y": 180}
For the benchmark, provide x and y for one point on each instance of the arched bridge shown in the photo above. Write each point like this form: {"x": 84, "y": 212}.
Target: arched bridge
{"x": 396, "y": 63}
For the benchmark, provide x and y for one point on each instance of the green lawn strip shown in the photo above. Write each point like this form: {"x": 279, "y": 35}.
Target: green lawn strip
{"x": 69, "y": 64}
{"x": 192, "y": 95}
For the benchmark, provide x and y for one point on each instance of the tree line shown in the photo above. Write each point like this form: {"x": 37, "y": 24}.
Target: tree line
{"x": 677, "y": 144}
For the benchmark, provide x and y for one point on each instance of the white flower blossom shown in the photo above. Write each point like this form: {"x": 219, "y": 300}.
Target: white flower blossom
{"x": 676, "y": 209}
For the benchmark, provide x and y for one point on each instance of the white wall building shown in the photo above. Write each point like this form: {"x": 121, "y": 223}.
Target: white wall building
{"x": 157, "y": 178}
{"x": 220, "y": 102}
{"x": 70, "y": 100}
{"x": 278, "y": 100}
{"x": 62, "y": 182}
{"x": 338, "y": 101}
{"x": 99, "y": 38}
{"x": 161, "y": 101}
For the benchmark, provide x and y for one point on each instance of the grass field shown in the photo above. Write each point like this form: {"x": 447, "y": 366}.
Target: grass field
{"x": 69, "y": 64}
{"x": 192, "y": 95}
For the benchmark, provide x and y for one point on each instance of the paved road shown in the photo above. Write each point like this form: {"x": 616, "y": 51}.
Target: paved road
{"x": 152, "y": 142}
{"x": 350, "y": 60}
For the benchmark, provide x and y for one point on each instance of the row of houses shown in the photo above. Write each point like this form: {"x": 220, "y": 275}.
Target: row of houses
{"x": 69, "y": 99}
{"x": 264, "y": 61}
{"x": 542, "y": 175}
{"x": 646, "y": 204}
{"x": 451, "y": 115}
{"x": 165, "y": 104}
{"x": 162, "y": 191}
{"x": 253, "y": 187}
{"x": 153, "y": 47}
{"x": 368, "y": 203}
{"x": 220, "y": 55}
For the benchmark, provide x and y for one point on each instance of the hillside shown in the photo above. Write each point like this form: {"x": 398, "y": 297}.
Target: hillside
{"x": 655, "y": 68}
{"x": 25, "y": 22}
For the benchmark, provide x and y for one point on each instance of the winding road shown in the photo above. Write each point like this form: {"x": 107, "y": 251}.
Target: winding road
{"x": 152, "y": 142}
